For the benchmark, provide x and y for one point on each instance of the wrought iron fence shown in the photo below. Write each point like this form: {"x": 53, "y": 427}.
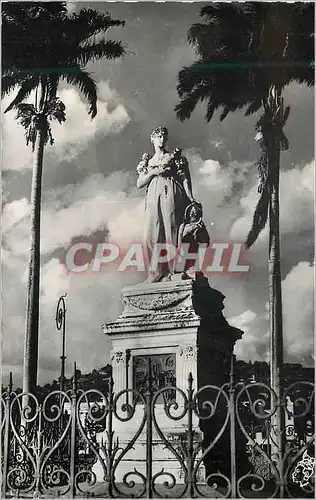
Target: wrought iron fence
{"x": 210, "y": 442}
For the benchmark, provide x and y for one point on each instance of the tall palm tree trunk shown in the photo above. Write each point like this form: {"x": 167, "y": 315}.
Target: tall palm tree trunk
{"x": 275, "y": 299}
{"x": 33, "y": 286}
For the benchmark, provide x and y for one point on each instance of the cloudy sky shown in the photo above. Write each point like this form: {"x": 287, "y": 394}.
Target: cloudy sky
{"x": 89, "y": 194}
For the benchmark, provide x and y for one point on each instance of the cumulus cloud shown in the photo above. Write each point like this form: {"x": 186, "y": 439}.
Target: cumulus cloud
{"x": 73, "y": 136}
{"x": 75, "y": 210}
{"x": 15, "y": 154}
{"x": 92, "y": 300}
{"x": 296, "y": 204}
{"x": 298, "y": 321}
{"x": 298, "y": 307}
{"x": 229, "y": 196}
{"x": 14, "y": 212}
{"x": 253, "y": 345}
{"x": 71, "y": 6}
{"x": 109, "y": 205}
{"x": 16, "y": 239}
{"x": 100, "y": 203}
{"x": 215, "y": 185}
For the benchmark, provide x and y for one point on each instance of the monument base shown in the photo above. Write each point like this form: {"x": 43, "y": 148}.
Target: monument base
{"x": 163, "y": 461}
{"x": 167, "y": 333}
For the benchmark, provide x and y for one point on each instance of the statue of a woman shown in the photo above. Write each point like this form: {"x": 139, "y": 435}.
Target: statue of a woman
{"x": 167, "y": 178}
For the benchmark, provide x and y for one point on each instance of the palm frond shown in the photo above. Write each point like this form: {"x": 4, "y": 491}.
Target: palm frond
{"x": 260, "y": 217}
{"x": 227, "y": 110}
{"x": 197, "y": 32}
{"x": 52, "y": 44}
{"x": 25, "y": 113}
{"x": 56, "y": 110}
{"x": 210, "y": 110}
{"x": 30, "y": 83}
{"x": 85, "y": 83}
{"x": 238, "y": 52}
{"x": 35, "y": 121}
{"x": 206, "y": 39}
{"x": 190, "y": 77}
{"x": 253, "y": 107}
{"x": 215, "y": 12}
{"x": 9, "y": 81}
{"x": 29, "y": 119}
{"x": 52, "y": 86}
{"x": 285, "y": 115}
{"x": 88, "y": 23}
{"x": 103, "y": 49}
{"x": 186, "y": 106}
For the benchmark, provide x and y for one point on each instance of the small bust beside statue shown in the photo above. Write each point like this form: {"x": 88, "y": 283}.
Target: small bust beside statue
{"x": 193, "y": 232}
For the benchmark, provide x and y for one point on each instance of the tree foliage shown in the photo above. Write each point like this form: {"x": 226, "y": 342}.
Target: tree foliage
{"x": 246, "y": 54}
{"x": 44, "y": 45}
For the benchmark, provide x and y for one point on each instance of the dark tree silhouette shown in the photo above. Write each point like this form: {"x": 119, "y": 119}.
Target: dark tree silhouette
{"x": 43, "y": 45}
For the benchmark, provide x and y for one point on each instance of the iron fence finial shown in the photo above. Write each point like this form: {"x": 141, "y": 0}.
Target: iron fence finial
{"x": 111, "y": 384}
{"x": 231, "y": 373}
{"x": 60, "y": 320}
{"x": 74, "y": 381}
{"x": 10, "y": 387}
{"x": 60, "y": 312}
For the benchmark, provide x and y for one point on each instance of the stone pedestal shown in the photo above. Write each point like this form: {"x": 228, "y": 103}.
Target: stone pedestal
{"x": 179, "y": 325}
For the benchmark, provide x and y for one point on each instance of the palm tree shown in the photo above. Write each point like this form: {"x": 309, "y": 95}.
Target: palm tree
{"x": 42, "y": 46}
{"x": 247, "y": 54}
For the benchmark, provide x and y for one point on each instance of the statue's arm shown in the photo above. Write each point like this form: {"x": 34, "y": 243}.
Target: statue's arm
{"x": 145, "y": 177}
{"x": 180, "y": 233}
{"x": 186, "y": 178}
{"x": 188, "y": 189}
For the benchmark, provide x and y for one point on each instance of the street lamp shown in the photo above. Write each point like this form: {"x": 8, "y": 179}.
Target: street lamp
{"x": 60, "y": 320}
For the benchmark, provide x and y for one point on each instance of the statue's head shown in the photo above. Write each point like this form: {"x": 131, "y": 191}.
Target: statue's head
{"x": 159, "y": 136}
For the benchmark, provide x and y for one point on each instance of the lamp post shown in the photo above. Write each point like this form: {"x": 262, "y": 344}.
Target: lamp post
{"x": 60, "y": 320}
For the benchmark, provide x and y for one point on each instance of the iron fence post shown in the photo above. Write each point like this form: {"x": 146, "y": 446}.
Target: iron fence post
{"x": 268, "y": 433}
{"x": 281, "y": 428}
{"x": 190, "y": 461}
{"x": 232, "y": 429}
{"x": 38, "y": 453}
{"x": 277, "y": 437}
{"x": 110, "y": 434}
{"x": 60, "y": 321}
{"x": 73, "y": 435}
{"x": 128, "y": 357}
{"x": 6, "y": 437}
{"x": 149, "y": 434}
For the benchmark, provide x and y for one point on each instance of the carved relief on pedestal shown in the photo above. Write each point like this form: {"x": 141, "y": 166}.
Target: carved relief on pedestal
{"x": 158, "y": 302}
{"x": 189, "y": 352}
{"x": 155, "y": 302}
{"x": 163, "y": 374}
{"x": 118, "y": 357}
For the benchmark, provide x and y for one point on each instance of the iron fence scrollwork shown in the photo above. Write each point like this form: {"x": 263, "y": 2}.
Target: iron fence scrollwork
{"x": 90, "y": 443}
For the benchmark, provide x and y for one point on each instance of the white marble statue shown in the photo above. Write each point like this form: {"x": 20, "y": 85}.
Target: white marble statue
{"x": 167, "y": 179}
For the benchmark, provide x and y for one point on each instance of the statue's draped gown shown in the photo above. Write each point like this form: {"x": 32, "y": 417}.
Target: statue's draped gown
{"x": 166, "y": 201}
